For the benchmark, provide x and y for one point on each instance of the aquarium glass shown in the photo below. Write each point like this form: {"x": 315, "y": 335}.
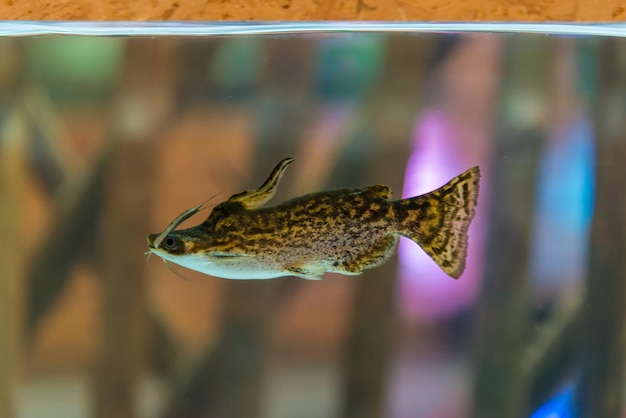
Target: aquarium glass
{"x": 108, "y": 132}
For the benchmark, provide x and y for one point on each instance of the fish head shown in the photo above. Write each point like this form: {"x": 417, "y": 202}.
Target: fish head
{"x": 195, "y": 252}
{"x": 174, "y": 245}
{"x": 170, "y": 243}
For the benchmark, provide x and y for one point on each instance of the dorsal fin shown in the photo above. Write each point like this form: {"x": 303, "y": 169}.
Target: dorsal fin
{"x": 253, "y": 199}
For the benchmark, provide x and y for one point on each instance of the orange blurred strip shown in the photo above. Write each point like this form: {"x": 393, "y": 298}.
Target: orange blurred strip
{"x": 303, "y": 10}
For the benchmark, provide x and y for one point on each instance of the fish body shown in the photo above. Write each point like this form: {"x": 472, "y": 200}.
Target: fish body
{"x": 342, "y": 231}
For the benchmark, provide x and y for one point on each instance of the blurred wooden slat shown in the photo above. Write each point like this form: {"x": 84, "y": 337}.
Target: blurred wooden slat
{"x": 501, "y": 387}
{"x": 13, "y": 180}
{"x": 228, "y": 380}
{"x": 390, "y": 114}
{"x": 13, "y": 138}
{"x": 121, "y": 357}
{"x": 143, "y": 106}
{"x": 601, "y": 390}
{"x": 51, "y": 158}
{"x": 74, "y": 227}
{"x": 553, "y": 353}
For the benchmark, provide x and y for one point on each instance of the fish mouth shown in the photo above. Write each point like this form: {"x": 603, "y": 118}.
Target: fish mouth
{"x": 160, "y": 253}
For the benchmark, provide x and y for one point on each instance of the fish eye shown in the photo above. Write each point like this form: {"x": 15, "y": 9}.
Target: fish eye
{"x": 170, "y": 243}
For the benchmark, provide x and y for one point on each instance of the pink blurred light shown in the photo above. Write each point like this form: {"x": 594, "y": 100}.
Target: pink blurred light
{"x": 424, "y": 289}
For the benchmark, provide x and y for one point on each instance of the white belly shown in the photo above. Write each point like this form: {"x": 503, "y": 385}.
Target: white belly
{"x": 238, "y": 268}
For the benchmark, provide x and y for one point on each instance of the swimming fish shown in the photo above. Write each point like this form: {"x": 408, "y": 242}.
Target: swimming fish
{"x": 342, "y": 231}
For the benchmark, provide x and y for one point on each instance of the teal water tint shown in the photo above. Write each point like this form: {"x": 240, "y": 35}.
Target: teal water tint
{"x": 348, "y": 67}
{"x": 126, "y": 125}
{"x": 88, "y": 67}
{"x": 236, "y": 67}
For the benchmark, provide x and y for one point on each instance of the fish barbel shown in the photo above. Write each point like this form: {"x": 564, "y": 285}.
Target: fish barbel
{"x": 342, "y": 231}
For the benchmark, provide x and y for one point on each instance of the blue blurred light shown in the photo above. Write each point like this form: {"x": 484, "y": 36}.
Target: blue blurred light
{"x": 557, "y": 407}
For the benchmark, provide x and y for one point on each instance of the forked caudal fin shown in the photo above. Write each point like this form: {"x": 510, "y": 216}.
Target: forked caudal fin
{"x": 438, "y": 221}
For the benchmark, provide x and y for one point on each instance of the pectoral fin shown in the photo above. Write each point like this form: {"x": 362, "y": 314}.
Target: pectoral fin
{"x": 253, "y": 199}
{"x": 305, "y": 273}
{"x": 228, "y": 255}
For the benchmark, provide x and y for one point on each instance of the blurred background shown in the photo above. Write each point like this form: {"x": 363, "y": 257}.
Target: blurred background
{"x": 104, "y": 140}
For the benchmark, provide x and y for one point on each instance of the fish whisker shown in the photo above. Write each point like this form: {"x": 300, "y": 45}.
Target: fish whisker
{"x": 176, "y": 272}
{"x": 148, "y": 254}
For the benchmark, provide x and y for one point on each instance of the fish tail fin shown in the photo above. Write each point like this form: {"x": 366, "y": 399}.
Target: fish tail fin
{"x": 438, "y": 221}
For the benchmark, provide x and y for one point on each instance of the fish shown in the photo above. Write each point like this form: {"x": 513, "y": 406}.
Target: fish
{"x": 342, "y": 231}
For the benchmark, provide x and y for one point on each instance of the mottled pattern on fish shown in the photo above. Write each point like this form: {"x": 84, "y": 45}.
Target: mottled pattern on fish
{"x": 344, "y": 231}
